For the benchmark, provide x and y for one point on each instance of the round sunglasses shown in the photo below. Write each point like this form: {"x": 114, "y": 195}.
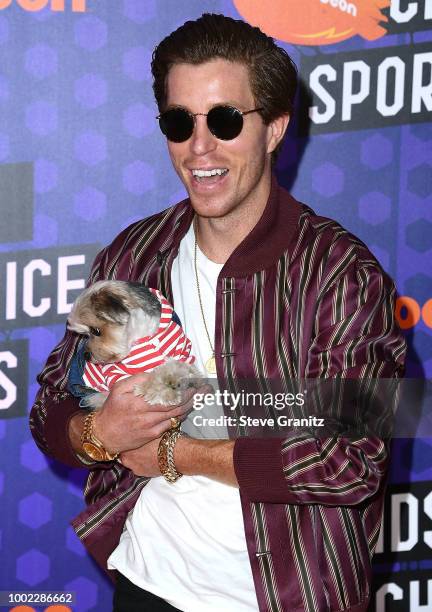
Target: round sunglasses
{"x": 224, "y": 122}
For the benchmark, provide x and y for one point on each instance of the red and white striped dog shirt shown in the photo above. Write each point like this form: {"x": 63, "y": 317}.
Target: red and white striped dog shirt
{"x": 147, "y": 353}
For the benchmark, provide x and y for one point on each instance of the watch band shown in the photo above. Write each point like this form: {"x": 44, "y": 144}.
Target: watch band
{"x": 166, "y": 455}
{"x": 93, "y": 447}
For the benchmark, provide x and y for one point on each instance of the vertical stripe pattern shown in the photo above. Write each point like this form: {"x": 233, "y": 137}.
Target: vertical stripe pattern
{"x": 309, "y": 302}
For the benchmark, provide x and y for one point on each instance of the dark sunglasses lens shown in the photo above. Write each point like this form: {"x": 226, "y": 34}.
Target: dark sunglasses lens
{"x": 176, "y": 124}
{"x": 225, "y": 122}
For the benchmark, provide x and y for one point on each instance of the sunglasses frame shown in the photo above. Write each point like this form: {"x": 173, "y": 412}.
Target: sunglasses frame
{"x": 193, "y": 122}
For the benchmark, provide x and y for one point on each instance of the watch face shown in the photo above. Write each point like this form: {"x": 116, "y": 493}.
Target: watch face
{"x": 93, "y": 451}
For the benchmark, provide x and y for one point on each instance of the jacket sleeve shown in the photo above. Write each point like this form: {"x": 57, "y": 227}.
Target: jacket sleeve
{"x": 54, "y": 406}
{"x": 355, "y": 337}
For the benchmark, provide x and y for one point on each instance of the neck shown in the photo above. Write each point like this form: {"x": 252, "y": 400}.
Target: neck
{"x": 218, "y": 237}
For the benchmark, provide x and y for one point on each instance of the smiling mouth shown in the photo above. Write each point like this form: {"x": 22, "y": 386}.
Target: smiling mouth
{"x": 209, "y": 177}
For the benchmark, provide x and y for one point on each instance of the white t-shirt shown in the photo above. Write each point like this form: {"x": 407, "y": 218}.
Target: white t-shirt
{"x": 185, "y": 542}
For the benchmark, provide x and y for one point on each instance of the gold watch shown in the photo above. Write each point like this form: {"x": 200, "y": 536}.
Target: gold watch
{"x": 93, "y": 447}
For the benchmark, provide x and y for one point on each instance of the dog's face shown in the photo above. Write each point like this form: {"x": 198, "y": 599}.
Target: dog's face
{"x": 107, "y": 342}
{"x": 114, "y": 314}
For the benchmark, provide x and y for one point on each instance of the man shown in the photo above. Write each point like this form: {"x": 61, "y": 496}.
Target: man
{"x": 272, "y": 524}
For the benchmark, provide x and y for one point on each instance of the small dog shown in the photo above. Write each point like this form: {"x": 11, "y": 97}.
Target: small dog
{"x": 131, "y": 329}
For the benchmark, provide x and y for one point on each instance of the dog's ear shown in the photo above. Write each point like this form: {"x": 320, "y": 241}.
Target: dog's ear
{"x": 118, "y": 308}
{"x": 76, "y": 326}
{"x": 110, "y": 307}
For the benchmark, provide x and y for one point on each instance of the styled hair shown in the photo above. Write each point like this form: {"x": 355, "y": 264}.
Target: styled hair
{"x": 272, "y": 73}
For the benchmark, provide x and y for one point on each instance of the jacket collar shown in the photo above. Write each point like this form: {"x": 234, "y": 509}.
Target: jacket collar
{"x": 273, "y": 234}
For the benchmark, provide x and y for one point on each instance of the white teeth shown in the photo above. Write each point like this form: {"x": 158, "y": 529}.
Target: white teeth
{"x": 213, "y": 172}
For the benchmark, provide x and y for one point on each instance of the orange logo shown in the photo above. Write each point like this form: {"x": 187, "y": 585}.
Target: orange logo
{"x": 408, "y": 312}
{"x": 316, "y": 22}
{"x": 78, "y": 6}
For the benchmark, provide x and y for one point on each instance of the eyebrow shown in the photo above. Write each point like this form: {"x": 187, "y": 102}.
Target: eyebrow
{"x": 224, "y": 103}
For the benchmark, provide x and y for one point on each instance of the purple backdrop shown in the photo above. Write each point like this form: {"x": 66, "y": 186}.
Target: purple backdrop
{"x": 81, "y": 157}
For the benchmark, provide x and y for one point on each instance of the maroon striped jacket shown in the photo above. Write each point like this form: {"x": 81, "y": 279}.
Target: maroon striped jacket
{"x": 299, "y": 297}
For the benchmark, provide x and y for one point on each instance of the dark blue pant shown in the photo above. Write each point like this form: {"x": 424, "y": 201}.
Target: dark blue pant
{"x": 130, "y": 598}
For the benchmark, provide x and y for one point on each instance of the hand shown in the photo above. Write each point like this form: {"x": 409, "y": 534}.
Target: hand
{"x": 210, "y": 458}
{"x": 127, "y": 422}
{"x": 142, "y": 461}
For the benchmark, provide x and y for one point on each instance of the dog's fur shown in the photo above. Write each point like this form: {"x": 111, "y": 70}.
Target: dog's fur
{"x": 114, "y": 314}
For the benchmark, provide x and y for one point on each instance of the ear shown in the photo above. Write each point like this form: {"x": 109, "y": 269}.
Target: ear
{"x": 77, "y": 327}
{"x": 110, "y": 307}
{"x": 116, "y": 308}
{"x": 276, "y": 131}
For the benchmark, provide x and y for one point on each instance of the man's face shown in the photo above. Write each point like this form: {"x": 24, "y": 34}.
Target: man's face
{"x": 198, "y": 88}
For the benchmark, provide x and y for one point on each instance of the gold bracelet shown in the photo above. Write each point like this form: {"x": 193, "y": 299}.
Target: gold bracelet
{"x": 165, "y": 455}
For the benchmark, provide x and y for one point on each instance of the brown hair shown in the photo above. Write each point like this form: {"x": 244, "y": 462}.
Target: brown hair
{"x": 272, "y": 73}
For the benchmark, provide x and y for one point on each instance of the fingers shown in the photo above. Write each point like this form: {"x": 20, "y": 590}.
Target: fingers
{"x": 188, "y": 394}
{"x": 157, "y": 423}
{"x": 122, "y": 386}
{"x": 127, "y": 385}
{"x": 152, "y": 421}
{"x": 178, "y": 411}
{"x": 160, "y": 428}
{"x": 185, "y": 404}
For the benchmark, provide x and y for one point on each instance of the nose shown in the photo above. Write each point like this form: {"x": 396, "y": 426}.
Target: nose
{"x": 202, "y": 140}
